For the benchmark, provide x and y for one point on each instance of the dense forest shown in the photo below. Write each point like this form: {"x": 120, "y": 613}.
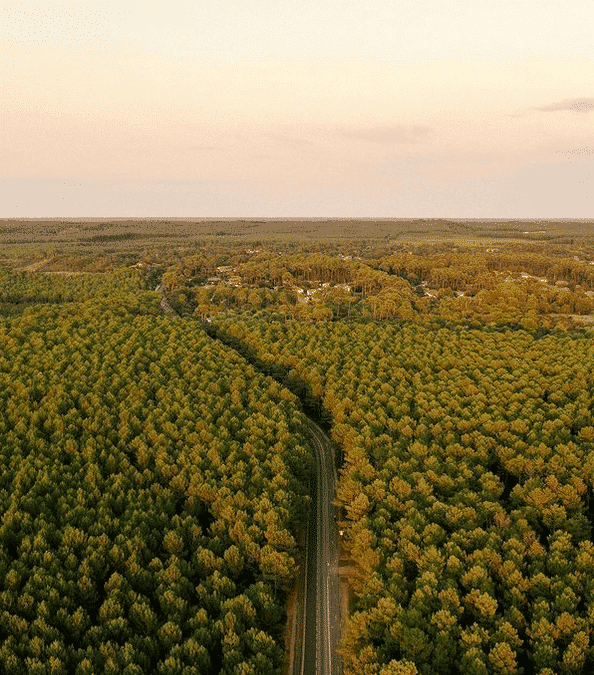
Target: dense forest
{"x": 155, "y": 471}
{"x": 466, "y": 486}
{"x": 151, "y": 492}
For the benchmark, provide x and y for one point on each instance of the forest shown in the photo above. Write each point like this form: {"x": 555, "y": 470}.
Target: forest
{"x": 523, "y": 285}
{"x": 465, "y": 489}
{"x": 155, "y": 471}
{"x": 151, "y": 492}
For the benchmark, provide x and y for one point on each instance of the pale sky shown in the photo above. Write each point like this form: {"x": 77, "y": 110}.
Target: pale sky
{"x": 297, "y": 108}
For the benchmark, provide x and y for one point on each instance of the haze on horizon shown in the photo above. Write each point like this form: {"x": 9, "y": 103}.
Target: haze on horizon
{"x": 279, "y": 108}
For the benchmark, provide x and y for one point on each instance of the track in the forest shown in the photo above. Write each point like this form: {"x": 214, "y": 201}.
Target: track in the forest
{"x": 317, "y": 626}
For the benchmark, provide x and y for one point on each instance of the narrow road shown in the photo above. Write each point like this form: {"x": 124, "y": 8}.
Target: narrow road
{"x": 165, "y": 306}
{"x": 318, "y": 621}
{"x": 317, "y": 632}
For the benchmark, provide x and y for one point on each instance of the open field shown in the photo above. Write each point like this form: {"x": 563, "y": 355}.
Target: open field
{"x": 124, "y": 234}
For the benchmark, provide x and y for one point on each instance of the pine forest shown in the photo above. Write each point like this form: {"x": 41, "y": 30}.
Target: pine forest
{"x": 156, "y": 463}
{"x": 151, "y": 488}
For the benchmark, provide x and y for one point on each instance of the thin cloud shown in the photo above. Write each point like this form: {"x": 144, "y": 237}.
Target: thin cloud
{"x": 578, "y": 152}
{"x": 575, "y": 104}
{"x": 290, "y": 140}
{"x": 390, "y": 135}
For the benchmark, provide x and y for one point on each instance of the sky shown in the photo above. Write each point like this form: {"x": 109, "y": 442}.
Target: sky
{"x": 297, "y": 108}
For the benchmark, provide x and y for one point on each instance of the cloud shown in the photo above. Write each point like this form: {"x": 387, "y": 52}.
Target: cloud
{"x": 577, "y": 104}
{"x": 578, "y": 152}
{"x": 389, "y": 135}
{"x": 290, "y": 140}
